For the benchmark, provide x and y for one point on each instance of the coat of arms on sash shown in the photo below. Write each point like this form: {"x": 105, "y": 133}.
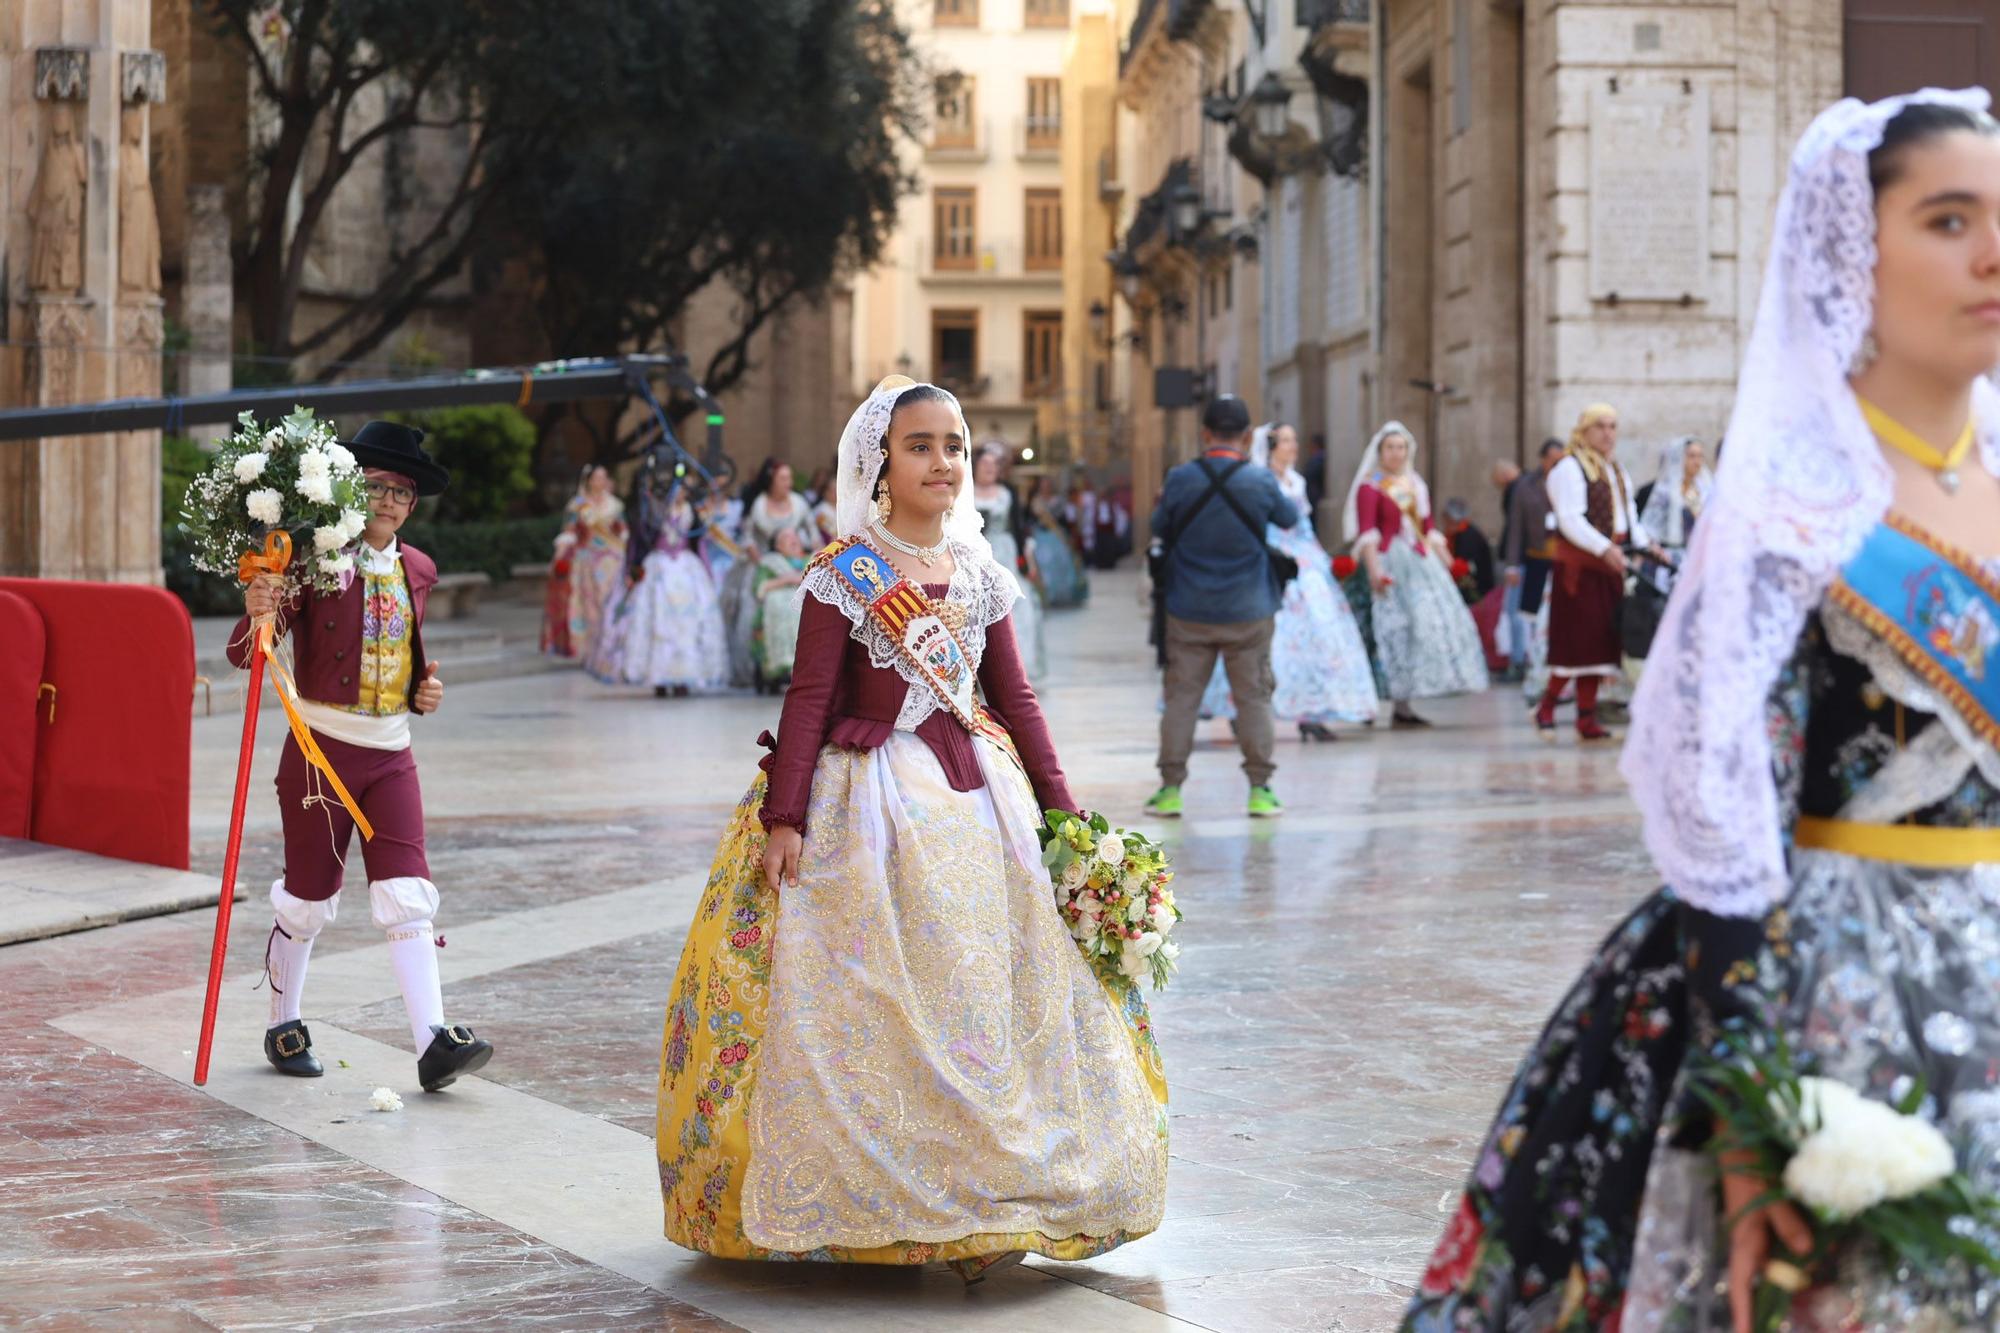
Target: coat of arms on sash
{"x": 918, "y": 627}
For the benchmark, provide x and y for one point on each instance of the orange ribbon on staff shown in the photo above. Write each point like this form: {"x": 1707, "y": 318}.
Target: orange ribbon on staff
{"x": 274, "y": 559}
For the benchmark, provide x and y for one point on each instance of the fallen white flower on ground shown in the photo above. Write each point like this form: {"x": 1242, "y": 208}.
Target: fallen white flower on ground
{"x": 385, "y": 1099}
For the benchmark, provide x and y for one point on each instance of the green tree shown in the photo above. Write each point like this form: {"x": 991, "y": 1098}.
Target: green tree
{"x": 760, "y": 154}
{"x": 490, "y": 452}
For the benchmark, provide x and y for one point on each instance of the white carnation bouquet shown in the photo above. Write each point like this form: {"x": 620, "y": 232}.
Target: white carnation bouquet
{"x": 1113, "y": 890}
{"x": 1865, "y": 1172}
{"x": 295, "y": 477}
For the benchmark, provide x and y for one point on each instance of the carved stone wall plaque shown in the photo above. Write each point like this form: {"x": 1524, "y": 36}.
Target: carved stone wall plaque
{"x": 1649, "y": 154}
{"x": 143, "y": 76}
{"x": 62, "y": 73}
{"x": 61, "y": 330}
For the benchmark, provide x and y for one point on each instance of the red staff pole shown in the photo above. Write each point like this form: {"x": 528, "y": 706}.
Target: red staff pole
{"x": 220, "y": 949}
{"x": 276, "y": 555}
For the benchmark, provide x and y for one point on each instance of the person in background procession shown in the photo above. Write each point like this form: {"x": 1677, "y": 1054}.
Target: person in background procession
{"x": 1526, "y": 549}
{"x": 597, "y": 562}
{"x": 1469, "y": 544}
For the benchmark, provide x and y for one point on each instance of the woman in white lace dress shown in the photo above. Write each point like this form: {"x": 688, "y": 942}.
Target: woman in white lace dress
{"x": 882, "y": 1044}
{"x": 1426, "y": 643}
{"x": 1816, "y": 754}
{"x": 1317, "y": 654}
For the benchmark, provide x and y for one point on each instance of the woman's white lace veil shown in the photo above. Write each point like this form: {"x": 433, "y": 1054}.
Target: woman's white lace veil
{"x": 863, "y": 447}
{"x": 1371, "y": 462}
{"x": 1801, "y": 483}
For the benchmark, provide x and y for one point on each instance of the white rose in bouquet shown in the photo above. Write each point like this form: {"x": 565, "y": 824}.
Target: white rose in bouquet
{"x": 1132, "y": 964}
{"x": 1111, "y": 850}
{"x": 1075, "y": 875}
{"x": 265, "y": 505}
{"x": 1863, "y": 1152}
{"x": 1160, "y": 917}
{"x": 1136, "y": 912}
{"x": 251, "y": 466}
{"x": 1147, "y": 944}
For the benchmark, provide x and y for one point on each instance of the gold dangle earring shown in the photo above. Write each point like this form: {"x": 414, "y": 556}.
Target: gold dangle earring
{"x": 883, "y": 505}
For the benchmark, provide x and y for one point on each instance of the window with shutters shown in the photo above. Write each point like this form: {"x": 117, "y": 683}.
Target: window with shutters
{"x": 1041, "y": 353}
{"x": 1044, "y": 246}
{"x": 1044, "y": 113}
{"x": 954, "y": 345}
{"x": 955, "y": 13}
{"x": 956, "y": 238}
{"x": 1048, "y": 13}
{"x": 953, "y": 126}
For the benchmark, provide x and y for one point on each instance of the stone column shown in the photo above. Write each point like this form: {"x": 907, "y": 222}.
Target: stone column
{"x": 207, "y": 297}
{"x": 87, "y": 297}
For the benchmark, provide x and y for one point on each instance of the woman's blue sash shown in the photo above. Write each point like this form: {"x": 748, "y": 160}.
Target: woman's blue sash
{"x": 1937, "y": 609}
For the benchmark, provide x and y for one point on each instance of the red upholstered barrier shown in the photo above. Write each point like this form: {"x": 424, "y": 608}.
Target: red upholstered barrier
{"x": 22, "y": 646}
{"x": 111, "y": 771}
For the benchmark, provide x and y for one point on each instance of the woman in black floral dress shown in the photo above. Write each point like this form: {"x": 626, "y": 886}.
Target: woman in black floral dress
{"x": 1817, "y": 758}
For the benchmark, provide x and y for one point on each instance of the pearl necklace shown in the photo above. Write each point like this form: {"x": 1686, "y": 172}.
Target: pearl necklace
{"x": 928, "y": 556}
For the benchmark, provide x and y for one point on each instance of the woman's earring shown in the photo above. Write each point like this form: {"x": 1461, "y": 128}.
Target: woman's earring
{"x": 1864, "y": 355}
{"x": 883, "y": 505}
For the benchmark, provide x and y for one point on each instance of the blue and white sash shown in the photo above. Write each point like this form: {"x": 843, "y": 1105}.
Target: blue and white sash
{"x": 1936, "y": 609}
{"x": 902, "y": 611}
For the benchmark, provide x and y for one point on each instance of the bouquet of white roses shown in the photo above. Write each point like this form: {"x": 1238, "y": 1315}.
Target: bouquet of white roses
{"x": 1863, "y": 1171}
{"x": 1111, "y": 887}
{"x": 295, "y": 477}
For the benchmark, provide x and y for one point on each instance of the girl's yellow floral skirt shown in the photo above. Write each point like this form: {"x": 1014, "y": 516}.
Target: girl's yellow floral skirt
{"x": 718, "y": 1034}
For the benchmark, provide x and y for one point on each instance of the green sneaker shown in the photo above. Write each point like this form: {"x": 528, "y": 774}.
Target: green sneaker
{"x": 1264, "y": 803}
{"x": 1165, "y": 803}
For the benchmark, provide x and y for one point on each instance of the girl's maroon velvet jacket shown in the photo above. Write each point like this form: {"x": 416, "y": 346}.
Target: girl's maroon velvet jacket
{"x": 326, "y": 635}
{"x": 837, "y": 698}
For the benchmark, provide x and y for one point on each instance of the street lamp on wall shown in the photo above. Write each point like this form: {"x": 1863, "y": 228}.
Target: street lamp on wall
{"x": 1100, "y": 323}
{"x": 1186, "y": 206}
{"x": 1271, "y": 101}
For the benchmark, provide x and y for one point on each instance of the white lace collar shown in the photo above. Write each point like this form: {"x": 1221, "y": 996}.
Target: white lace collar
{"x": 979, "y": 583}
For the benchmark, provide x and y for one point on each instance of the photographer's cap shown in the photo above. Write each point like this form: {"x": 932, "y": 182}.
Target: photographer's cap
{"x": 1225, "y": 416}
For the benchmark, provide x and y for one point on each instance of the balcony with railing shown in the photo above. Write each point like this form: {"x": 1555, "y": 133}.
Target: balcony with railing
{"x": 1003, "y": 263}
{"x": 1038, "y": 138}
{"x": 970, "y": 141}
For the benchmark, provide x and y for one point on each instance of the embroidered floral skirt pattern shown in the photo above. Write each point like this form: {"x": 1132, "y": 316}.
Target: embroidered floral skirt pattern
{"x": 904, "y": 1058}
{"x": 1591, "y": 1204}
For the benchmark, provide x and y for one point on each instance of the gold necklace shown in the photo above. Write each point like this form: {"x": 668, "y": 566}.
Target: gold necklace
{"x": 928, "y": 556}
{"x": 1911, "y": 445}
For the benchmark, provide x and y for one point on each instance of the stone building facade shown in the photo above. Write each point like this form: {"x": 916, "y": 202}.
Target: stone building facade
{"x": 1481, "y": 215}
{"x": 80, "y": 249}
{"x": 126, "y": 189}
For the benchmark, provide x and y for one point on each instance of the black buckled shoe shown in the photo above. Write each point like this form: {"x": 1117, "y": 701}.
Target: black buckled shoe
{"x": 288, "y": 1047}
{"x": 453, "y": 1051}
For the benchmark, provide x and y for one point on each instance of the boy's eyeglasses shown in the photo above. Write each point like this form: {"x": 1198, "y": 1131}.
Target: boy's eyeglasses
{"x": 402, "y": 495}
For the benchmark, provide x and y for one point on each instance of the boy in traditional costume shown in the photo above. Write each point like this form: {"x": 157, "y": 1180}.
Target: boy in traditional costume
{"x": 359, "y": 661}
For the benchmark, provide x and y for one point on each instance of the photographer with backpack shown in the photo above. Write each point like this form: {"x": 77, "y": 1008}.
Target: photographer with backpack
{"x": 1216, "y": 589}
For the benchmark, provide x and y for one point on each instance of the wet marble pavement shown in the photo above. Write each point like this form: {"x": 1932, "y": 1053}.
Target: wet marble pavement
{"x": 1359, "y": 979}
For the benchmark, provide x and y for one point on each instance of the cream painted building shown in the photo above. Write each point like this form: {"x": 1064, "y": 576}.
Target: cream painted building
{"x": 969, "y": 292}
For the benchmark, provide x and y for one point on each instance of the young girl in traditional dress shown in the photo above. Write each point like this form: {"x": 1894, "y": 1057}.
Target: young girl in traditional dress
{"x": 665, "y": 629}
{"x": 882, "y": 1045}
{"x": 1814, "y": 755}
{"x": 597, "y": 561}
{"x": 1426, "y": 643}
